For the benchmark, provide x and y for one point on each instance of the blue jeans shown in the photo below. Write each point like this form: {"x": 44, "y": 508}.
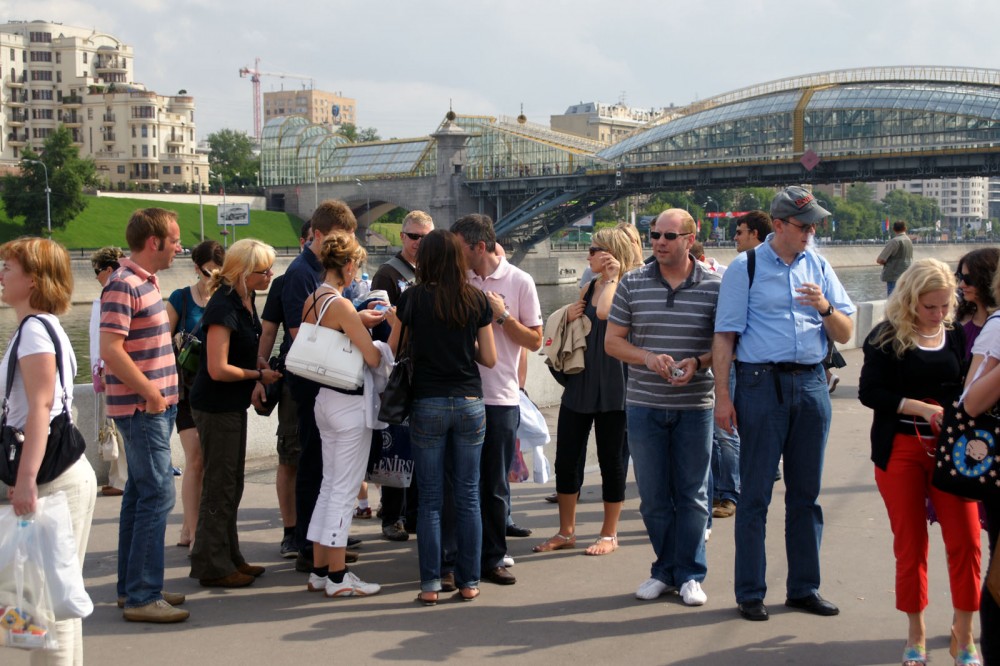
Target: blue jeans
{"x": 146, "y": 504}
{"x": 796, "y": 426}
{"x": 446, "y": 436}
{"x": 724, "y": 480}
{"x": 890, "y": 287}
{"x": 672, "y": 451}
{"x": 494, "y": 484}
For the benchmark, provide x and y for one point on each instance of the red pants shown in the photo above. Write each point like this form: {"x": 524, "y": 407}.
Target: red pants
{"x": 904, "y": 485}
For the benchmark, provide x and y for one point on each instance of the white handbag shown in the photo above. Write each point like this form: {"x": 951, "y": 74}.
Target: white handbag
{"x": 326, "y": 356}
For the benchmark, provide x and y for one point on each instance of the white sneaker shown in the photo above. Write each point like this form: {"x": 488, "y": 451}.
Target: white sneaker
{"x": 317, "y": 583}
{"x": 708, "y": 534}
{"x": 507, "y": 561}
{"x": 653, "y": 588}
{"x": 692, "y": 594}
{"x": 832, "y": 384}
{"x": 351, "y": 587}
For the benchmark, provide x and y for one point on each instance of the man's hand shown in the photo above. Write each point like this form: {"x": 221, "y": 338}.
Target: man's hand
{"x": 661, "y": 364}
{"x": 688, "y": 366}
{"x": 156, "y": 403}
{"x": 725, "y": 414}
{"x": 496, "y": 303}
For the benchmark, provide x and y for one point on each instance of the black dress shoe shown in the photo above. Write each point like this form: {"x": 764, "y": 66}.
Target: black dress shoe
{"x": 754, "y": 610}
{"x": 814, "y": 604}
{"x": 515, "y": 531}
{"x": 353, "y": 542}
{"x": 500, "y": 576}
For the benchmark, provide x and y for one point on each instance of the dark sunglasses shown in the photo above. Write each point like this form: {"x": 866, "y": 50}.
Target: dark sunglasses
{"x": 98, "y": 271}
{"x": 413, "y": 236}
{"x": 669, "y": 235}
{"x": 594, "y": 250}
{"x": 204, "y": 272}
{"x": 964, "y": 277}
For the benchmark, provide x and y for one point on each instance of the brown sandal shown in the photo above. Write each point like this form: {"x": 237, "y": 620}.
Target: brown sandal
{"x": 557, "y": 542}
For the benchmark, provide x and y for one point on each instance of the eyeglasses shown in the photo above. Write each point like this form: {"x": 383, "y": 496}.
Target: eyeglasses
{"x": 805, "y": 228}
{"x": 594, "y": 250}
{"x": 964, "y": 277}
{"x": 412, "y": 236}
{"x": 98, "y": 271}
{"x": 267, "y": 271}
{"x": 669, "y": 235}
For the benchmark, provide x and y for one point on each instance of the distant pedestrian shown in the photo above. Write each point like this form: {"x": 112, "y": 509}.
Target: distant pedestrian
{"x": 895, "y": 257}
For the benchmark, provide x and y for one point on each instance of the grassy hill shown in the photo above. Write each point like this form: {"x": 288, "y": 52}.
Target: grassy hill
{"x": 103, "y": 223}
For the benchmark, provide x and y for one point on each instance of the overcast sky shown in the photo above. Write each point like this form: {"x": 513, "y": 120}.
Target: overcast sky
{"x": 405, "y": 61}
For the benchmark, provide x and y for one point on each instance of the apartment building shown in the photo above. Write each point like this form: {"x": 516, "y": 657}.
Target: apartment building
{"x": 317, "y": 106}
{"x": 607, "y": 123}
{"x": 964, "y": 202}
{"x": 53, "y": 74}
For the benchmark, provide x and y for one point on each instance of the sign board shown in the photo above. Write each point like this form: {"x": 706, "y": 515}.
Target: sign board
{"x": 234, "y": 214}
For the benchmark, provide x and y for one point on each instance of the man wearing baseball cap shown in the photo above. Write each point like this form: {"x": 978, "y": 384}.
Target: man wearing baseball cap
{"x": 784, "y": 301}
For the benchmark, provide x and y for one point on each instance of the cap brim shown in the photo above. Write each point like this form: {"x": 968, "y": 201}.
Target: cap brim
{"x": 814, "y": 215}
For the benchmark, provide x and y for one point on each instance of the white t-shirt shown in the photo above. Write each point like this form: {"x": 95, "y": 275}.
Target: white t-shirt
{"x": 36, "y": 340}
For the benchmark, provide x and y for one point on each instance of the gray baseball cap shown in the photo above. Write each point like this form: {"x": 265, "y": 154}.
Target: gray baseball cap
{"x": 798, "y": 203}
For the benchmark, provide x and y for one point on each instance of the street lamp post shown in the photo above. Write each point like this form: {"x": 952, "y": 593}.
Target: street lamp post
{"x": 48, "y": 193}
{"x": 710, "y": 200}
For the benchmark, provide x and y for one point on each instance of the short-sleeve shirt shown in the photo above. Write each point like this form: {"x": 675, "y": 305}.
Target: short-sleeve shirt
{"x": 225, "y": 309}
{"x": 184, "y": 305}
{"x": 303, "y": 277}
{"x": 132, "y": 306}
{"x": 35, "y": 340}
{"x": 391, "y": 280}
{"x": 897, "y": 255}
{"x": 518, "y": 289}
{"x": 664, "y": 320}
{"x": 773, "y": 327}
{"x": 444, "y": 358}
{"x": 274, "y": 312}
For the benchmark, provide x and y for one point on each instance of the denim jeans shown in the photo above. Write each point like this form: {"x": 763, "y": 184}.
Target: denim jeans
{"x": 795, "y": 426}
{"x": 494, "y": 484}
{"x": 724, "y": 480}
{"x": 672, "y": 450}
{"x": 146, "y": 504}
{"x": 446, "y": 436}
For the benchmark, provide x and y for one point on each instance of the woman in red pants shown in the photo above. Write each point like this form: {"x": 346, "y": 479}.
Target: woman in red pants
{"x": 913, "y": 365}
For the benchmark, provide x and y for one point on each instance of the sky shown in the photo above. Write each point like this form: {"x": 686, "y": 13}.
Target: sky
{"x": 406, "y": 62}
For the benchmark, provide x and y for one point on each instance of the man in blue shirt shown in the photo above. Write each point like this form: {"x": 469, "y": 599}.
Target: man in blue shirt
{"x": 783, "y": 300}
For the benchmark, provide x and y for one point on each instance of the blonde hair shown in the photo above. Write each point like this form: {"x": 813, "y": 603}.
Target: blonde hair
{"x": 418, "y": 218}
{"x": 47, "y": 263}
{"x": 922, "y": 277}
{"x": 629, "y": 230}
{"x": 242, "y": 258}
{"x": 618, "y": 245}
{"x": 688, "y": 225}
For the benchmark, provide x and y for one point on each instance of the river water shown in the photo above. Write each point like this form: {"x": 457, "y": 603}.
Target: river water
{"x": 862, "y": 284}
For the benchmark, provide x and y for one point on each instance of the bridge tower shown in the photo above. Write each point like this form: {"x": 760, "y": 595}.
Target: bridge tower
{"x": 451, "y": 160}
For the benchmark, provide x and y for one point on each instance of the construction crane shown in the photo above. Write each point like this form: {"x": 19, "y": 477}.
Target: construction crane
{"x": 255, "y": 75}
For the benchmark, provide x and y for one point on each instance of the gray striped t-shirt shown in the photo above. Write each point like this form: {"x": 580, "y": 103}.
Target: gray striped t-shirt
{"x": 677, "y": 322}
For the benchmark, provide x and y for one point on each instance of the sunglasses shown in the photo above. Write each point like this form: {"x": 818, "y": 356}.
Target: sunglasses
{"x": 964, "y": 277}
{"x": 669, "y": 235}
{"x": 594, "y": 250}
{"x": 412, "y": 236}
{"x": 807, "y": 228}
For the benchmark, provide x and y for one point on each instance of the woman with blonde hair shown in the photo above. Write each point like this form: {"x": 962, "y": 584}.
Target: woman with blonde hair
{"x": 227, "y": 371}
{"x": 185, "y": 308}
{"x": 37, "y": 283}
{"x": 594, "y": 398}
{"x": 914, "y": 364}
{"x": 340, "y": 417}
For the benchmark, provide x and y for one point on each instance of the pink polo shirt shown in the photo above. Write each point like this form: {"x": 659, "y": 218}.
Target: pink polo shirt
{"x": 518, "y": 289}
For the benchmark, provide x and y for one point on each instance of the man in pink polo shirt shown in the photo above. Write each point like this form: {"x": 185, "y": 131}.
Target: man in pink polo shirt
{"x": 517, "y": 323}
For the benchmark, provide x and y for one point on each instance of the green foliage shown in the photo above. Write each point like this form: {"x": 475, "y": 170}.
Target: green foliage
{"x": 103, "y": 223}
{"x": 24, "y": 195}
{"x": 357, "y": 134}
{"x": 232, "y": 159}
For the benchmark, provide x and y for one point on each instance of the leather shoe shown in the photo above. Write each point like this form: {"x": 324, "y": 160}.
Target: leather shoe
{"x": 351, "y": 556}
{"x": 235, "y": 579}
{"x": 448, "y": 582}
{"x": 111, "y": 491}
{"x": 516, "y": 531}
{"x": 814, "y": 604}
{"x": 754, "y": 610}
{"x": 251, "y": 570}
{"x": 172, "y": 598}
{"x": 500, "y": 576}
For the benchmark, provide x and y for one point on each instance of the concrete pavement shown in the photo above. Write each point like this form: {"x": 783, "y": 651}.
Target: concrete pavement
{"x": 565, "y": 608}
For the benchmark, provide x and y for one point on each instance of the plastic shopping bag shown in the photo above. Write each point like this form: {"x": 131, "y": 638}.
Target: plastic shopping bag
{"x": 532, "y": 429}
{"x": 518, "y": 468}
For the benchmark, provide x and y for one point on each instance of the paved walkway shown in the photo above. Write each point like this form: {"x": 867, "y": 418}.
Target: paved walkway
{"x": 566, "y": 608}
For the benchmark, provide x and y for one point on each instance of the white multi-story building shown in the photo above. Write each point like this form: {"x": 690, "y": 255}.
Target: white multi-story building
{"x": 964, "y": 202}
{"x": 607, "y": 123}
{"x": 53, "y": 74}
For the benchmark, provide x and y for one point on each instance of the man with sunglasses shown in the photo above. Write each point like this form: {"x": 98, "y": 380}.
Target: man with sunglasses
{"x": 661, "y": 324}
{"x": 784, "y": 301}
{"x": 396, "y": 276}
{"x": 895, "y": 257}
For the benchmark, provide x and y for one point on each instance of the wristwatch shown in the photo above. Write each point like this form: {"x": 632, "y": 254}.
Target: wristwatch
{"x": 828, "y": 312}
{"x": 502, "y": 318}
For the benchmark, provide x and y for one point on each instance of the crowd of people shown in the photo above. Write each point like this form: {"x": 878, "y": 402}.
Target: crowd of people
{"x": 712, "y": 379}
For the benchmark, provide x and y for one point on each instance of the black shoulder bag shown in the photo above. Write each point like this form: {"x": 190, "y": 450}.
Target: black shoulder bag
{"x": 65, "y": 444}
{"x": 397, "y": 398}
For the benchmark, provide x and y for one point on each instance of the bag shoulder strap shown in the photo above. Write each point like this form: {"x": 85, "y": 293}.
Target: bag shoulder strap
{"x": 12, "y": 363}
{"x": 751, "y": 266}
{"x": 590, "y": 289}
{"x": 403, "y": 269}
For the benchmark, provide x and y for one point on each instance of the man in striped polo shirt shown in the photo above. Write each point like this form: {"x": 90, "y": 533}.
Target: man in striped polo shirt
{"x": 661, "y": 324}
{"x": 141, "y": 381}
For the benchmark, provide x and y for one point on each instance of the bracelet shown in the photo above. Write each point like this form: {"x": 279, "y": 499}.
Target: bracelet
{"x": 646, "y": 358}
{"x": 697, "y": 363}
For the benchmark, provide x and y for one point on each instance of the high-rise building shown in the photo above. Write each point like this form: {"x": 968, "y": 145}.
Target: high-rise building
{"x": 964, "y": 202}
{"x": 607, "y": 123}
{"x": 53, "y": 74}
{"x": 317, "y": 106}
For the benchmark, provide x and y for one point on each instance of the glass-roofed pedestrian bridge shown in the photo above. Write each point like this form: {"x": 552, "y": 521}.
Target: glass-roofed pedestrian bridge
{"x": 847, "y": 125}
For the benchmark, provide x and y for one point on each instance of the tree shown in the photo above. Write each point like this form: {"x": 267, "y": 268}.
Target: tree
{"x": 356, "y": 134}
{"x": 232, "y": 159}
{"x": 68, "y": 174}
